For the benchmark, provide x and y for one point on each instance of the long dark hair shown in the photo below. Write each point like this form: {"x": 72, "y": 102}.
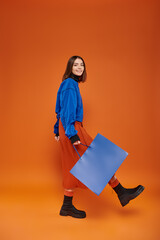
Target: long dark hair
{"x": 68, "y": 70}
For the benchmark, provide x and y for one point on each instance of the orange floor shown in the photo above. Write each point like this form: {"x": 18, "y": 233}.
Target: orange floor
{"x": 31, "y": 212}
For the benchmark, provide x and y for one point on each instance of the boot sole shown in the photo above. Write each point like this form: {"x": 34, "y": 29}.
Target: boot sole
{"x": 124, "y": 200}
{"x": 68, "y": 213}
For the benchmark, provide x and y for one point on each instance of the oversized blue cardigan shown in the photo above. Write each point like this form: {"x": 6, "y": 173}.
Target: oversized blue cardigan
{"x": 69, "y": 107}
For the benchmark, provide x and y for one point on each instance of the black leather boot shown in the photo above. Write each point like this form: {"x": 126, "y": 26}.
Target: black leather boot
{"x": 68, "y": 209}
{"x": 127, "y": 194}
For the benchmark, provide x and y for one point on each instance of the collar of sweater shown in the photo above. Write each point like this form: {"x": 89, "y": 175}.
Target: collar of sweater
{"x": 75, "y": 77}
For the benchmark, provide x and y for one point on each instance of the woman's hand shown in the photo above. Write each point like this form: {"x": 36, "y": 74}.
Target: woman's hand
{"x": 57, "y": 138}
{"x": 76, "y": 143}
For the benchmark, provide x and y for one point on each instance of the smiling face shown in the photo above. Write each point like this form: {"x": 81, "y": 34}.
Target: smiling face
{"x": 78, "y": 67}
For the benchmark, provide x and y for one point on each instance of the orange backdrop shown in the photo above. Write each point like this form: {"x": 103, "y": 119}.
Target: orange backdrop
{"x": 119, "y": 41}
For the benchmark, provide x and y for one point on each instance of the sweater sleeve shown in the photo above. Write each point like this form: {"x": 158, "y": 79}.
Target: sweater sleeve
{"x": 57, "y": 110}
{"x": 68, "y": 116}
{"x": 56, "y": 126}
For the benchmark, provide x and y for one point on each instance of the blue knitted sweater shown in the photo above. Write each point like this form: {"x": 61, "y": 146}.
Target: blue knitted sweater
{"x": 69, "y": 107}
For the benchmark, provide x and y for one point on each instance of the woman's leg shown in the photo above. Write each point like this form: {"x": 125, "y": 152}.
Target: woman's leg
{"x": 68, "y": 192}
{"x": 113, "y": 181}
{"x": 125, "y": 194}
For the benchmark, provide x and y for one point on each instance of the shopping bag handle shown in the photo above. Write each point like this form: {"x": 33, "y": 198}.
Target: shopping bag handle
{"x": 77, "y": 151}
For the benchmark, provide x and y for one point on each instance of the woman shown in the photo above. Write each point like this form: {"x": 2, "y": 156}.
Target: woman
{"x": 69, "y": 131}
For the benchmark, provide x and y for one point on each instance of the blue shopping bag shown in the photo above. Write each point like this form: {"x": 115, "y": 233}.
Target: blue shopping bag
{"x": 98, "y": 164}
